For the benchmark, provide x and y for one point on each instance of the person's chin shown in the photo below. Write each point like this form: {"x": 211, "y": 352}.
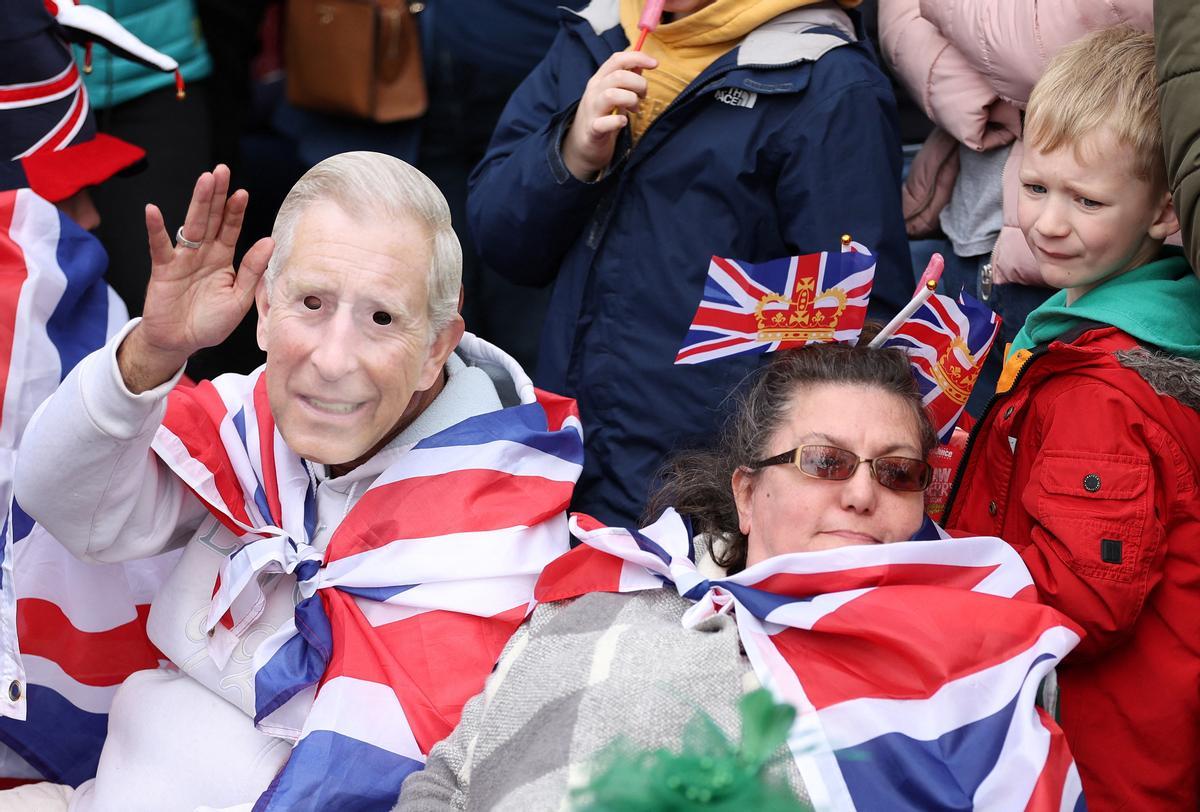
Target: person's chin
{"x": 684, "y": 6}
{"x": 323, "y": 444}
{"x": 324, "y": 451}
{"x": 1056, "y": 275}
{"x": 846, "y": 538}
{"x": 1057, "y": 269}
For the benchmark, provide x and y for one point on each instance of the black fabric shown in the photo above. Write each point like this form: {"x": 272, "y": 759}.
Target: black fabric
{"x": 507, "y": 37}
{"x": 480, "y": 53}
{"x": 1110, "y": 551}
{"x": 175, "y": 135}
{"x": 231, "y": 34}
{"x": 915, "y": 126}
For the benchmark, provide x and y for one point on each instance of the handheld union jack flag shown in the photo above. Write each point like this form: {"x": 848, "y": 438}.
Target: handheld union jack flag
{"x": 948, "y": 342}
{"x": 779, "y": 304}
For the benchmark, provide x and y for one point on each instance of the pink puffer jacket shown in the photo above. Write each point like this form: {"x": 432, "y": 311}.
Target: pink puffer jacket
{"x": 971, "y": 65}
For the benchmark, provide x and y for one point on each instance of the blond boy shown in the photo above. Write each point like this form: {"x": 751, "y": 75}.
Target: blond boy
{"x": 1086, "y": 460}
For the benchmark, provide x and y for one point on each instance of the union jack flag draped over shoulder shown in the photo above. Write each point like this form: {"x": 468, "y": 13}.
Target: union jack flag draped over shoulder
{"x": 914, "y": 667}
{"x": 947, "y": 343}
{"x": 779, "y": 304}
{"x": 81, "y": 627}
{"x": 402, "y": 617}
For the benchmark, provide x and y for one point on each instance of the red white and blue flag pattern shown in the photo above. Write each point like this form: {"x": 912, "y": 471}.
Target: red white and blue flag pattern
{"x": 401, "y": 619}
{"x": 947, "y": 343}
{"x": 81, "y": 626}
{"x": 68, "y": 83}
{"x": 779, "y": 304}
{"x": 914, "y": 667}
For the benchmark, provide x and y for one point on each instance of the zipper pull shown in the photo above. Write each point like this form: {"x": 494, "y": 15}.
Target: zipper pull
{"x": 985, "y": 281}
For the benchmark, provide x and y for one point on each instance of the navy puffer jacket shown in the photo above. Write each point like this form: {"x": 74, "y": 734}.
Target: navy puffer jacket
{"x": 777, "y": 148}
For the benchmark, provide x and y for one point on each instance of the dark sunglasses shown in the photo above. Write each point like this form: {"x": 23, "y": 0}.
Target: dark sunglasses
{"x": 831, "y": 462}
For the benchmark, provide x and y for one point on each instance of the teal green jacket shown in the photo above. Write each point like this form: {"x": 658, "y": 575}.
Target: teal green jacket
{"x": 170, "y": 26}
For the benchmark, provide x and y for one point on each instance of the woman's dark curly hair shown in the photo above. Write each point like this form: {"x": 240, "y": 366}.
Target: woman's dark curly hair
{"x": 698, "y": 483}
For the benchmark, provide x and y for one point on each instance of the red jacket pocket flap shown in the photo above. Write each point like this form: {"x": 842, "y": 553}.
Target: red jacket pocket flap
{"x": 1094, "y": 476}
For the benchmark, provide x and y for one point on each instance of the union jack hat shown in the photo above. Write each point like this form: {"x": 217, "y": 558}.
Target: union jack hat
{"x": 48, "y": 137}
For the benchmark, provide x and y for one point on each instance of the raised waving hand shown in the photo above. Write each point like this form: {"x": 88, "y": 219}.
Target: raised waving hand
{"x": 195, "y": 298}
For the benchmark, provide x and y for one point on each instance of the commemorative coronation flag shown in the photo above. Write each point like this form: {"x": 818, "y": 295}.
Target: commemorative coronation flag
{"x": 779, "y": 304}
{"x": 947, "y": 343}
{"x": 402, "y": 617}
{"x": 70, "y": 631}
{"x": 914, "y": 666}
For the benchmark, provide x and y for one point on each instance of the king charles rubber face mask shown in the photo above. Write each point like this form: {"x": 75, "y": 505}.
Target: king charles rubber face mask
{"x": 346, "y": 331}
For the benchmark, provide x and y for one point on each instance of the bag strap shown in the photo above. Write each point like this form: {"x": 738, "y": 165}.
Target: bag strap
{"x": 391, "y": 38}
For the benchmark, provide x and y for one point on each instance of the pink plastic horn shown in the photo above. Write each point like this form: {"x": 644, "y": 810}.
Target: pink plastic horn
{"x": 651, "y": 14}
{"x": 933, "y": 272}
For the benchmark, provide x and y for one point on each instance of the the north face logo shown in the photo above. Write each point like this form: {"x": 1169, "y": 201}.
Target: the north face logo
{"x": 736, "y": 96}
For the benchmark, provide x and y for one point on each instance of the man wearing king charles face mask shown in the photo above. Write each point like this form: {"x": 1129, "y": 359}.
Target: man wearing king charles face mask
{"x": 357, "y": 293}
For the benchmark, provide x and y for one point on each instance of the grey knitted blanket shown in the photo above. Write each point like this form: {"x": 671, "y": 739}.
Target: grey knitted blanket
{"x": 578, "y": 675}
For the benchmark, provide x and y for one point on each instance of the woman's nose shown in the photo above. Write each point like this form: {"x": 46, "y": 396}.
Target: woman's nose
{"x": 858, "y": 492}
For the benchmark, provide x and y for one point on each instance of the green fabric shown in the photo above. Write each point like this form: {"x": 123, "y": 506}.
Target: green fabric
{"x": 169, "y": 26}
{"x": 1157, "y": 304}
{"x": 709, "y": 773}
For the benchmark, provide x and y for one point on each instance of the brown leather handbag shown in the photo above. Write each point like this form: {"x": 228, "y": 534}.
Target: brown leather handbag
{"x": 358, "y": 58}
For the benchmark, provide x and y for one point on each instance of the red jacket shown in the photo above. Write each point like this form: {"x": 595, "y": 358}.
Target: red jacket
{"x": 1092, "y": 476}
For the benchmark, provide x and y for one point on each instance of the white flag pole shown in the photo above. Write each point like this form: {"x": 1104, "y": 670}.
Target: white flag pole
{"x": 928, "y": 284}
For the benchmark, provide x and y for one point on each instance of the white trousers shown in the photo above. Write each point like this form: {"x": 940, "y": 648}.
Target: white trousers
{"x": 43, "y": 797}
{"x": 175, "y": 746}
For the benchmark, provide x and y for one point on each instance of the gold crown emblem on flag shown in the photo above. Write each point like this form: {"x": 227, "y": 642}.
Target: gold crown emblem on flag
{"x": 800, "y": 319}
{"x": 956, "y": 380}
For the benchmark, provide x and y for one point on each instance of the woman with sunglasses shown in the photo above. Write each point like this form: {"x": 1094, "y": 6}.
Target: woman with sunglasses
{"x": 826, "y": 451}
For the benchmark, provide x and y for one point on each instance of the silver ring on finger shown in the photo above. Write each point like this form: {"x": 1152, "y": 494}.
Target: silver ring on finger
{"x": 184, "y": 241}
